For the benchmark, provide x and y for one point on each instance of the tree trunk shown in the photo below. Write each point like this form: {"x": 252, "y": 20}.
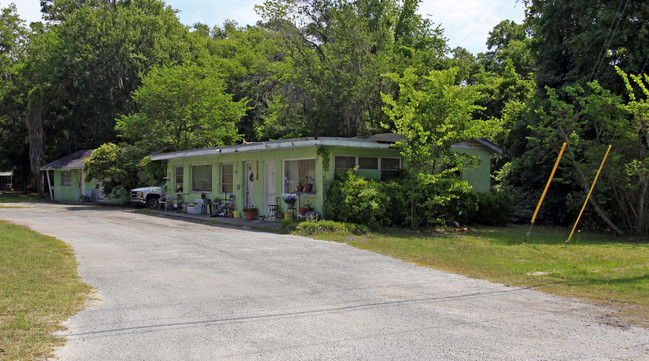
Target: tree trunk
{"x": 640, "y": 225}
{"x": 34, "y": 122}
{"x": 604, "y": 216}
{"x": 413, "y": 221}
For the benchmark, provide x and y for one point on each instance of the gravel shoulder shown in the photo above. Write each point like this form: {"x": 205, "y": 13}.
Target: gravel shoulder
{"x": 170, "y": 289}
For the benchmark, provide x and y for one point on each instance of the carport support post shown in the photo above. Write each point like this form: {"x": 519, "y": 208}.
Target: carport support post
{"x": 49, "y": 185}
{"x": 538, "y": 206}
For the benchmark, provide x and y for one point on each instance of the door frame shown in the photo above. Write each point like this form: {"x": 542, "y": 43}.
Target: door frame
{"x": 249, "y": 191}
{"x": 270, "y": 183}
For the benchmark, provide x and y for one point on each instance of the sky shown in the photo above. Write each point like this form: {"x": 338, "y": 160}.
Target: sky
{"x": 466, "y": 23}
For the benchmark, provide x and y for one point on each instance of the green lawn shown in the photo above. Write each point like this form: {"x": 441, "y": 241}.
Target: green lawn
{"x": 39, "y": 289}
{"x": 595, "y": 267}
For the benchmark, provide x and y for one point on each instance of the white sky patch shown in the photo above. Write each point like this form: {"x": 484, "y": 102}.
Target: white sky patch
{"x": 215, "y": 12}
{"x": 467, "y": 23}
{"x": 29, "y": 10}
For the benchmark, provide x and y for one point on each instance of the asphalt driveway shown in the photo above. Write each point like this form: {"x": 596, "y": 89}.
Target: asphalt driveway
{"x": 175, "y": 290}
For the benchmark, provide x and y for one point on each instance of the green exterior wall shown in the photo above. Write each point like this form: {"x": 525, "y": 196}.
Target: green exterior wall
{"x": 478, "y": 178}
{"x": 72, "y": 192}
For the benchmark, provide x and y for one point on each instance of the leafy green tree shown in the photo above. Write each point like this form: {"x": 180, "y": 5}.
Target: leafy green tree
{"x": 59, "y": 10}
{"x": 433, "y": 113}
{"x": 182, "y": 107}
{"x": 89, "y": 64}
{"x": 336, "y": 53}
{"x": 572, "y": 43}
{"x": 14, "y": 38}
{"x": 577, "y": 40}
{"x": 509, "y": 43}
{"x": 589, "y": 124}
{"x": 113, "y": 167}
{"x": 251, "y": 62}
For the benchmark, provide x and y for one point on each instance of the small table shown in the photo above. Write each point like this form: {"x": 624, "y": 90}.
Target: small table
{"x": 290, "y": 213}
{"x": 299, "y": 195}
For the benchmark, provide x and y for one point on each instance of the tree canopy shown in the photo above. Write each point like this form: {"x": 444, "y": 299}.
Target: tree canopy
{"x": 182, "y": 107}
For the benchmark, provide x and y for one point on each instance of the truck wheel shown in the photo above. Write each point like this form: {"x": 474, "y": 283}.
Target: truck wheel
{"x": 152, "y": 202}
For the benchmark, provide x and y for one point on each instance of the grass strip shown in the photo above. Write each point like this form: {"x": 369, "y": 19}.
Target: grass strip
{"x": 594, "y": 267}
{"x": 39, "y": 289}
{"x": 16, "y": 197}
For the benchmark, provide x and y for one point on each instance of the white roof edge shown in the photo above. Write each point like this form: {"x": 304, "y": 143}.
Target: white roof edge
{"x": 479, "y": 143}
{"x": 288, "y": 143}
{"x": 66, "y": 169}
{"x": 489, "y": 145}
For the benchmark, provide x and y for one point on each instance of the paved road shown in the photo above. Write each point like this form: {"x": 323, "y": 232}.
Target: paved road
{"x": 175, "y": 290}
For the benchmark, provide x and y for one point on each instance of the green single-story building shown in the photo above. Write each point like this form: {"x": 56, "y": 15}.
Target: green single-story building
{"x": 66, "y": 181}
{"x": 260, "y": 173}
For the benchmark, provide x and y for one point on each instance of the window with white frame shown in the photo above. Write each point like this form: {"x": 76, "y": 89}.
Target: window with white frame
{"x": 298, "y": 172}
{"x": 202, "y": 178}
{"x": 368, "y": 163}
{"x": 390, "y": 167}
{"x": 178, "y": 179}
{"x": 66, "y": 178}
{"x": 344, "y": 162}
{"x": 227, "y": 178}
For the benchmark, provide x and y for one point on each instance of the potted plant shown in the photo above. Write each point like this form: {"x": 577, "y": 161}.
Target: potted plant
{"x": 300, "y": 186}
{"x": 251, "y": 212}
{"x": 231, "y": 211}
{"x": 290, "y": 201}
{"x": 308, "y": 184}
{"x": 307, "y": 208}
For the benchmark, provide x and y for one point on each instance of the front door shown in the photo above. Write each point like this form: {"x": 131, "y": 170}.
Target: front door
{"x": 250, "y": 182}
{"x": 270, "y": 183}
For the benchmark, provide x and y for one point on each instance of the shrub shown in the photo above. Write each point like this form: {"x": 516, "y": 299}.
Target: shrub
{"x": 494, "y": 209}
{"x": 311, "y": 227}
{"x": 437, "y": 200}
{"x": 117, "y": 196}
{"x": 440, "y": 200}
{"x": 357, "y": 200}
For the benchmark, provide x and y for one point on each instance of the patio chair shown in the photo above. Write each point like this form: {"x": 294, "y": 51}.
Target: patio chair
{"x": 273, "y": 210}
{"x": 86, "y": 197}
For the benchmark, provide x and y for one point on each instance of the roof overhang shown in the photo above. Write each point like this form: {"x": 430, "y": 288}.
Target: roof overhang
{"x": 481, "y": 144}
{"x": 69, "y": 162}
{"x": 276, "y": 144}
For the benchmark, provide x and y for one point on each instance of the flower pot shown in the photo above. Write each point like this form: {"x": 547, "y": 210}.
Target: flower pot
{"x": 237, "y": 214}
{"x": 251, "y": 215}
{"x": 288, "y": 216}
{"x": 300, "y": 188}
{"x": 279, "y": 215}
{"x": 231, "y": 214}
{"x": 308, "y": 187}
{"x": 304, "y": 211}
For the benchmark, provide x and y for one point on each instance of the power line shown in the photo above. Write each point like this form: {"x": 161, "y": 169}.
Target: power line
{"x": 484, "y": 22}
{"x": 608, "y": 40}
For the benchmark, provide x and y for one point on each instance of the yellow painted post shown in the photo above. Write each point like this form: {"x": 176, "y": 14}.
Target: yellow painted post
{"x": 589, "y": 192}
{"x": 538, "y": 206}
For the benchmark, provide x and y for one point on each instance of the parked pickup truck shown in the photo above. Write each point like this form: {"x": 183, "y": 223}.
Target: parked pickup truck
{"x": 147, "y": 196}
